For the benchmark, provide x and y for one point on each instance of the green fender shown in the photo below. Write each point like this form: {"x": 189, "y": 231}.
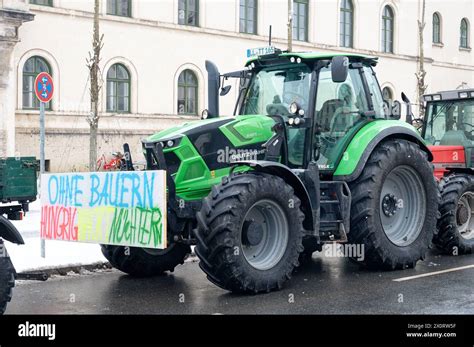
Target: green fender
{"x": 364, "y": 142}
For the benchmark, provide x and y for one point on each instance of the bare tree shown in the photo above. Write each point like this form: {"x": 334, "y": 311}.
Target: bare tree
{"x": 421, "y": 73}
{"x": 290, "y": 25}
{"x": 93, "y": 62}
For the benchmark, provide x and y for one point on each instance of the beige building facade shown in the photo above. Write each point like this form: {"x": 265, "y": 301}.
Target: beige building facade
{"x": 153, "y": 60}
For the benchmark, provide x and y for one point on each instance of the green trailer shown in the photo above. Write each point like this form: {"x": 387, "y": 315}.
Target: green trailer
{"x": 18, "y": 178}
{"x": 18, "y": 187}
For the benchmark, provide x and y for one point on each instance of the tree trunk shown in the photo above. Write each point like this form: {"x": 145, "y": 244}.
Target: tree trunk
{"x": 93, "y": 65}
{"x": 421, "y": 73}
{"x": 290, "y": 25}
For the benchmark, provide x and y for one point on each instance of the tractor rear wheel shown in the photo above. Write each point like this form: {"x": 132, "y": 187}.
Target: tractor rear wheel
{"x": 456, "y": 224}
{"x": 394, "y": 206}
{"x": 250, "y": 232}
{"x": 7, "y": 278}
{"x": 142, "y": 262}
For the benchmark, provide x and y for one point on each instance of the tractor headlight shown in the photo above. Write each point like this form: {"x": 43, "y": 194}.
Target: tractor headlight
{"x": 294, "y": 108}
{"x": 437, "y": 97}
{"x": 297, "y": 121}
{"x": 463, "y": 95}
{"x": 291, "y": 121}
{"x": 170, "y": 144}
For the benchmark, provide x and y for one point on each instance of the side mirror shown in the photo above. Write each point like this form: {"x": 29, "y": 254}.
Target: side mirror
{"x": 225, "y": 90}
{"x": 339, "y": 69}
{"x": 409, "y": 110}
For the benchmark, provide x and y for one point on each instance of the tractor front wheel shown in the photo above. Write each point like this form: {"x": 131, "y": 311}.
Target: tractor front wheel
{"x": 394, "y": 206}
{"x": 141, "y": 262}
{"x": 7, "y": 278}
{"x": 250, "y": 232}
{"x": 456, "y": 224}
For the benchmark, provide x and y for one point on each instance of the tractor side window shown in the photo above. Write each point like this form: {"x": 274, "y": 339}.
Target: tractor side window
{"x": 451, "y": 123}
{"x": 375, "y": 93}
{"x": 339, "y": 112}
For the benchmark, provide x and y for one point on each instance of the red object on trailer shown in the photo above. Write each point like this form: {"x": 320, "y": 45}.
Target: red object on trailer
{"x": 445, "y": 158}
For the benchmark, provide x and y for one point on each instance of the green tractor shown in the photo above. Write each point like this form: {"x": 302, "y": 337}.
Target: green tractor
{"x": 310, "y": 157}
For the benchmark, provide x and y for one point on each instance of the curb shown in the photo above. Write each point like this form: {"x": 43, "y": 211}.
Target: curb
{"x": 78, "y": 269}
{"x": 64, "y": 271}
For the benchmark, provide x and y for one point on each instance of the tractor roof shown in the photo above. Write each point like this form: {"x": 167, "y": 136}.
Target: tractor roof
{"x": 458, "y": 94}
{"x": 312, "y": 56}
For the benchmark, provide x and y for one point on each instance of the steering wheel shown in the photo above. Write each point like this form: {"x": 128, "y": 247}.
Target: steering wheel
{"x": 277, "y": 109}
{"x": 469, "y": 133}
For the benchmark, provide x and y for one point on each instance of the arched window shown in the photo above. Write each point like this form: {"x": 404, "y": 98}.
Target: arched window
{"x": 436, "y": 28}
{"x": 387, "y": 29}
{"x": 347, "y": 23}
{"x": 464, "y": 33}
{"x": 118, "y": 89}
{"x": 387, "y": 94}
{"x": 188, "y": 93}
{"x": 32, "y": 68}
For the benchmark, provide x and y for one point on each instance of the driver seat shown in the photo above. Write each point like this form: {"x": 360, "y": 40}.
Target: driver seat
{"x": 327, "y": 113}
{"x": 455, "y": 138}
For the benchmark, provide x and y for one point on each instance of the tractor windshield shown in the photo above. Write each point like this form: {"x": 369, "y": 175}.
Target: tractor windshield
{"x": 272, "y": 90}
{"x": 450, "y": 123}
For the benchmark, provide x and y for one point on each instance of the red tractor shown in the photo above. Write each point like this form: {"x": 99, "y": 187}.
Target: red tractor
{"x": 448, "y": 129}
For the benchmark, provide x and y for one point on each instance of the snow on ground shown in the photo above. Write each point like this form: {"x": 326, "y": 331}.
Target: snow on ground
{"x": 58, "y": 254}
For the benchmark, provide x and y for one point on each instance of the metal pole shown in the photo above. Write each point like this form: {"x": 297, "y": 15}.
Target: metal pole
{"x": 42, "y": 162}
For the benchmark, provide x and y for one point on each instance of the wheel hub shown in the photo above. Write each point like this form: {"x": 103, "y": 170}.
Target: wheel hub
{"x": 462, "y": 215}
{"x": 389, "y": 206}
{"x": 252, "y": 233}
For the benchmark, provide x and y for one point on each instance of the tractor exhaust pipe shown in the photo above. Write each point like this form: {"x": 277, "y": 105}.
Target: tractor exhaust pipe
{"x": 214, "y": 83}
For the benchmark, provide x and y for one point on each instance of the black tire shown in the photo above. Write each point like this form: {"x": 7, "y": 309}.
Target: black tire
{"x": 450, "y": 239}
{"x": 367, "y": 228}
{"x": 139, "y": 262}
{"x": 222, "y": 226}
{"x": 7, "y": 278}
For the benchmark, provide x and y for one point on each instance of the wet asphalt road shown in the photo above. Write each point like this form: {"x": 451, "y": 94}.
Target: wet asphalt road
{"x": 323, "y": 286}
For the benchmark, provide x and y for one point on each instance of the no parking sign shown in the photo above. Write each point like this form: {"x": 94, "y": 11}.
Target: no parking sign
{"x": 44, "y": 87}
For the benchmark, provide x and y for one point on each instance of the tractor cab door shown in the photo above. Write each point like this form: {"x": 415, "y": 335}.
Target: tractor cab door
{"x": 342, "y": 109}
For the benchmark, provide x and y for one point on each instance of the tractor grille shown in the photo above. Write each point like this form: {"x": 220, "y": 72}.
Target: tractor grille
{"x": 172, "y": 162}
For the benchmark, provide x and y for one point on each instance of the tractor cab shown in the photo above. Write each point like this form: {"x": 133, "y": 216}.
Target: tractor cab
{"x": 449, "y": 130}
{"x": 323, "y": 101}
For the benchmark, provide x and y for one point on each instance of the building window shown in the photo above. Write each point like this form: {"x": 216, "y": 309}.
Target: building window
{"x": 32, "y": 68}
{"x": 187, "y": 93}
{"x": 300, "y": 20}
{"x": 387, "y": 29}
{"x": 188, "y": 12}
{"x": 464, "y": 33}
{"x": 118, "y": 89}
{"x": 248, "y": 16}
{"x": 387, "y": 95}
{"x": 436, "y": 28}
{"x": 347, "y": 23}
{"x": 121, "y": 8}
{"x": 42, "y": 2}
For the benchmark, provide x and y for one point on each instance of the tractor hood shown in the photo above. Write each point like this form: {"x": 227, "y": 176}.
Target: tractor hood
{"x": 239, "y": 131}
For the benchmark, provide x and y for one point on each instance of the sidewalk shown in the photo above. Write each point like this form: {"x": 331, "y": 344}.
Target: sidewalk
{"x": 58, "y": 254}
